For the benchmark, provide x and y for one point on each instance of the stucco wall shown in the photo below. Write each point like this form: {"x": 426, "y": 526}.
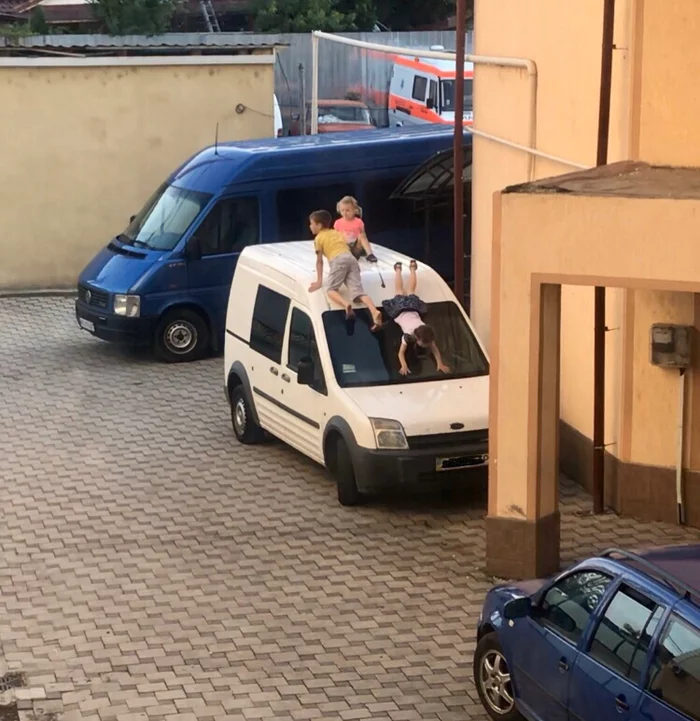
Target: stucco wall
{"x": 83, "y": 147}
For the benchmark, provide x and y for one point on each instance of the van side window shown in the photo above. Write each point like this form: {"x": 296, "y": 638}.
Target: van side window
{"x": 420, "y": 86}
{"x": 302, "y": 344}
{"x": 674, "y": 675}
{"x": 269, "y": 321}
{"x": 383, "y": 215}
{"x": 294, "y": 205}
{"x": 231, "y": 225}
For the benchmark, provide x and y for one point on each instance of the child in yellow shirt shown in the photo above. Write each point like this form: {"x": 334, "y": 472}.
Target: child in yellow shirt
{"x": 344, "y": 267}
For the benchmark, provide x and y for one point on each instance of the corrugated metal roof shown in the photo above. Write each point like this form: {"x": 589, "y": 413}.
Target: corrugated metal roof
{"x": 190, "y": 41}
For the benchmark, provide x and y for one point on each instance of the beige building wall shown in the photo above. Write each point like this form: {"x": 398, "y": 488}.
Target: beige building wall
{"x": 655, "y": 117}
{"x": 83, "y": 147}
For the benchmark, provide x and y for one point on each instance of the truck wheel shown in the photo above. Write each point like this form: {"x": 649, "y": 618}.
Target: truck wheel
{"x": 245, "y": 428}
{"x": 493, "y": 680}
{"x": 344, "y": 473}
{"x": 181, "y": 335}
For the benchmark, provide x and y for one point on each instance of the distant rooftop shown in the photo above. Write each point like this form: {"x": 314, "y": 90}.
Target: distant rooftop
{"x": 626, "y": 179}
{"x": 170, "y": 43}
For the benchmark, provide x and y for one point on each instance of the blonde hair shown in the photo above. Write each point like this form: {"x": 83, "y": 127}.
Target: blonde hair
{"x": 349, "y": 200}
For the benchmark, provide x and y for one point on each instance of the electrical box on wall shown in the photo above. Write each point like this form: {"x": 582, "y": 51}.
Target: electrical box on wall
{"x": 670, "y": 345}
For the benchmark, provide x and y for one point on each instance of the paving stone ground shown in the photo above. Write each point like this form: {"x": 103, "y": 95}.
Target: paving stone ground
{"x": 152, "y": 569}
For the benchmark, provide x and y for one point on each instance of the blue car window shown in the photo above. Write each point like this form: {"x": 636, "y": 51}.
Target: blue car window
{"x": 674, "y": 677}
{"x": 625, "y": 631}
{"x": 567, "y": 606}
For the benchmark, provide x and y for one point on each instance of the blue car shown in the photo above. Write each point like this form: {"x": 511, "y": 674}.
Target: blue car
{"x": 164, "y": 280}
{"x": 615, "y": 637}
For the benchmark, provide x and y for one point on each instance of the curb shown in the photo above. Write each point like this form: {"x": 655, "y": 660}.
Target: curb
{"x": 39, "y": 293}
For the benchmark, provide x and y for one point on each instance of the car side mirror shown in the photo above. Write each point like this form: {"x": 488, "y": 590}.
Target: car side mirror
{"x": 131, "y": 220}
{"x": 430, "y": 104}
{"x": 517, "y": 608}
{"x": 305, "y": 372}
{"x": 193, "y": 250}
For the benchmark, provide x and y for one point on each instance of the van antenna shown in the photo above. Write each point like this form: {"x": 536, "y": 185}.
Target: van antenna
{"x": 216, "y": 140}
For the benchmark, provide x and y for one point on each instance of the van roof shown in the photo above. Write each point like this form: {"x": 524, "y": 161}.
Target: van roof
{"x": 292, "y": 157}
{"x": 293, "y": 265}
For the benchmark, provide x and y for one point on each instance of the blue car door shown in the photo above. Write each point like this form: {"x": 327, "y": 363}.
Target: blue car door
{"x": 231, "y": 225}
{"x": 672, "y": 689}
{"x": 544, "y": 649}
{"x": 607, "y": 677}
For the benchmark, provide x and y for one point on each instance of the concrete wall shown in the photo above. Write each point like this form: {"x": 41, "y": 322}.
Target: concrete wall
{"x": 83, "y": 147}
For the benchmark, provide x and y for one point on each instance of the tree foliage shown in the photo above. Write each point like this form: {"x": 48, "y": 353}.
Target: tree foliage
{"x": 134, "y": 17}
{"x": 301, "y": 16}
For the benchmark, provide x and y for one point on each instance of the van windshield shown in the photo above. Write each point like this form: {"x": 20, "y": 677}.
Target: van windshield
{"x": 165, "y": 218}
{"x": 362, "y": 358}
{"x": 447, "y": 88}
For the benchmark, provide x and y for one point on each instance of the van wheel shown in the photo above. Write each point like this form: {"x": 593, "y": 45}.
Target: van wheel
{"x": 182, "y": 335}
{"x": 344, "y": 473}
{"x": 493, "y": 680}
{"x": 245, "y": 428}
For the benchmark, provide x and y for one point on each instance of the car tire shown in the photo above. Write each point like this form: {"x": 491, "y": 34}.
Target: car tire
{"x": 344, "y": 473}
{"x": 181, "y": 336}
{"x": 493, "y": 680}
{"x": 245, "y": 428}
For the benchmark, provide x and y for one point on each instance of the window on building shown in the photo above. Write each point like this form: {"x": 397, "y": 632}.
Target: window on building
{"x": 232, "y": 224}
{"x": 674, "y": 676}
{"x": 302, "y": 344}
{"x": 568, "y": 605}
{"x": 269, "y": 320}
{"x": 624, "y": 634}
{"x": 420, "y": 87}
{"x": 294, "y": 205}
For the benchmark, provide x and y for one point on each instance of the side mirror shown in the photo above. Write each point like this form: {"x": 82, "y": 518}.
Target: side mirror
{"x": 430, "y": 104}
{"x": 305, "y": 372}
{"x": 192, "y": 249}
{"x": 517, "y": 608}
{"x": 131, "y": 220}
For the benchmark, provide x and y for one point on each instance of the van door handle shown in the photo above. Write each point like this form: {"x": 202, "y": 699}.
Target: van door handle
{"x": 621, "y": 703}
{"x": 563, "y": 665}
{"x": 274, "y": 371}
{"x": 285, "y": 377}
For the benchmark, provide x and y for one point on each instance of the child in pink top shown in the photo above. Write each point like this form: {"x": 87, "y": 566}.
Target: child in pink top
{"x": 350, "y": 224}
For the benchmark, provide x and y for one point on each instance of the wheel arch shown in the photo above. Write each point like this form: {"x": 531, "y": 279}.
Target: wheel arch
{"x": 238, "y": 376}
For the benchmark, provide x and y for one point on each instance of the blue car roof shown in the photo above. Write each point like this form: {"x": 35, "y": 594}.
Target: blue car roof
{"x": 253, "y": 160}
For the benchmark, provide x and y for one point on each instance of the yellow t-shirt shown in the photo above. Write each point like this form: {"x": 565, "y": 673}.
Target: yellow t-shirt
{"x": 331, "y": 243}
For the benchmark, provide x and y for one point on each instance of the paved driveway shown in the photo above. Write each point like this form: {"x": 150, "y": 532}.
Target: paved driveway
{"x": 151, "y": 568}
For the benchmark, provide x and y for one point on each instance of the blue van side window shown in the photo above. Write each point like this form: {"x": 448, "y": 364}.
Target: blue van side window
{"x": 294, "y": 205}
{"x": 269, "y": 321}
{"x": 232, "y": 224}
{"x": 383, "y": 215}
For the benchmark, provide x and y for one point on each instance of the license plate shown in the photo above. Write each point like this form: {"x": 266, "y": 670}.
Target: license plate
{"x": 86, "y": 324}
{"x": 452, "y": 463}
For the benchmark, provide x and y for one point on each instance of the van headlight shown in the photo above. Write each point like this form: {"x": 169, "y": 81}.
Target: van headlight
{"x": 389, "y": 435}
{"x": 128, "y": 305}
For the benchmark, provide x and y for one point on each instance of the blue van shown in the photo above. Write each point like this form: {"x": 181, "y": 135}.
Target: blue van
{"x": 165, "y": 280}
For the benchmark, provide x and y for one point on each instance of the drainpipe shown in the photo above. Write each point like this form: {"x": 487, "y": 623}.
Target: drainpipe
{"x": 599, "y": 307}
{"x": 458, "y": 150}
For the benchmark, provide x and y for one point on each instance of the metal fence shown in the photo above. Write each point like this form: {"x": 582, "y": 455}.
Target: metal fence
{"x": 344, "y": 68}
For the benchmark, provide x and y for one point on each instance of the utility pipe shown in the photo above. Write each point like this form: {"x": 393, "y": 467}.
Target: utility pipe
{"x": 679, "y": 460}
{"x": 599, "y": 328}
{"x": 458, "y": 152}
{"x": 505, "y": 62}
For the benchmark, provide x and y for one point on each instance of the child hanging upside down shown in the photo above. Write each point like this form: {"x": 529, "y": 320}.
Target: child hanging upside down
{"x": 344, "y": 267}
{"x": 407, "y": 309}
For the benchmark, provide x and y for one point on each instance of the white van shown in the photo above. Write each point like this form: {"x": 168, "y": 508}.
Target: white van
{"x": 296, "y": 369}
{"x": 422, "y": 90}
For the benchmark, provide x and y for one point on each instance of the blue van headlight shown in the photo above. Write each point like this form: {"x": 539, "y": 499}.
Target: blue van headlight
{"x": 128, "y": 305}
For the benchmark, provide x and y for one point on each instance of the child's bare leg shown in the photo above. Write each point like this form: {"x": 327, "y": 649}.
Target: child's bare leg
{"x": 398, "y": 279}
{"x": 412, "y": 278}
{"x": 376, "y": 313}
{"x": 335, "y": 296}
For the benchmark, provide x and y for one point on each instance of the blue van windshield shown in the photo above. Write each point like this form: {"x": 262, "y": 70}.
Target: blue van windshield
{"x": 362, "y": 358}
{"x": 165, "y": 218}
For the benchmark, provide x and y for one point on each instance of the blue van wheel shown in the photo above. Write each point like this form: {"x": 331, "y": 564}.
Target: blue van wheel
{"x": 182, "y": 335}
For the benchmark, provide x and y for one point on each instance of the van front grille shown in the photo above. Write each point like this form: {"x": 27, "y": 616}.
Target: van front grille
{"x": 449, "y": 440}
{"x": 93, "y": 296}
